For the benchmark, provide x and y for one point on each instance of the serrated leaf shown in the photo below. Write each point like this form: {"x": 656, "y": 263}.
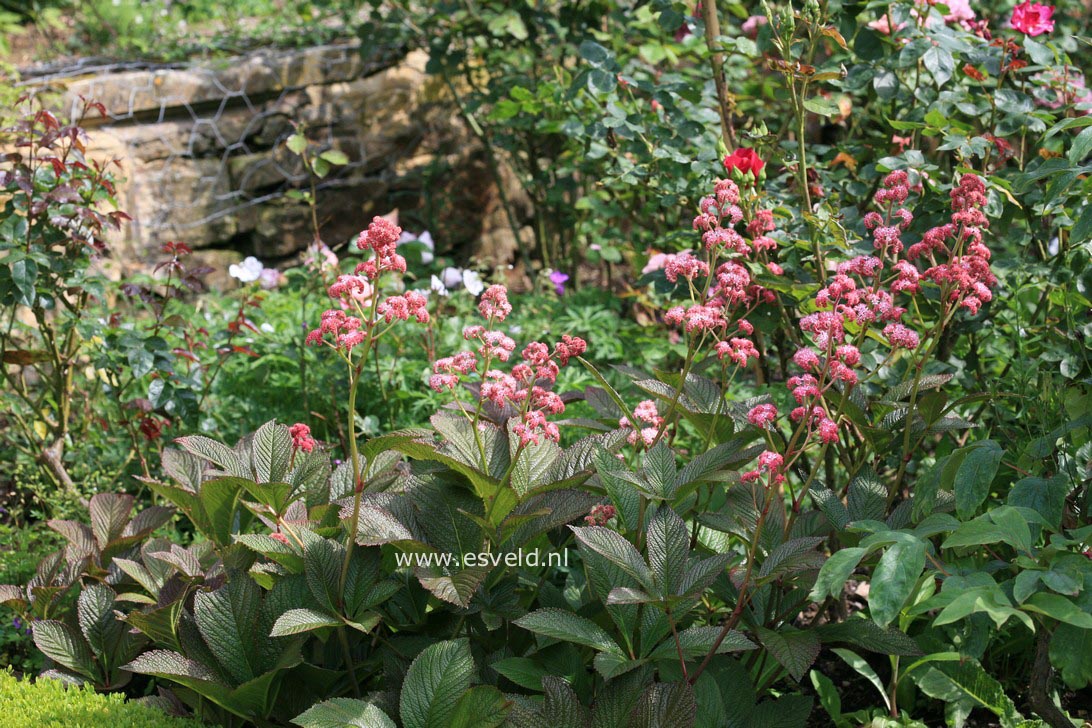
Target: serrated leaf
{"x": 698, "y": 641}
{"x": 617, "y": 550}
{"x": 226, "y": 620}
{"x": 668, "y": 546}
{"x": 109, "y": 515}
{"x": 342, "y": 712}
{"x": 65, "y": 646}
{"x": 665, "y": 705}
{"x": 867, "y": 497}
{"x": 215, "y": 452}
{"x": 435, "y": 681}
{"x": 795, "y": 555}
{"x": 271, "y": 451}
{"x": 569, "y": 627}
{"x": 561, "y": 708}
{"x": 95, "y": 613}
{"x": 868, "y": 635}
{"x": 458, "y": 588}
{"x": 796, "y": 650}
{"x": 481, "y": 707}
{"x": 295, "y": 621}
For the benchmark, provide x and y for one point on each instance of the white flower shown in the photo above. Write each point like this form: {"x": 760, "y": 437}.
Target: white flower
{"x": 452, "y": 277}
{"x": 267, "y": 327}
{"x": 248, "y": 271}
{"x": 472, "y": 282}
{"x": 438, "y": 286}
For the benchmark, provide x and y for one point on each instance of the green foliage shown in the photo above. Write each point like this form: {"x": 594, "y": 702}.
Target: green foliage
{"x": 53, "y": 703}
{"x": 934, "y": 545}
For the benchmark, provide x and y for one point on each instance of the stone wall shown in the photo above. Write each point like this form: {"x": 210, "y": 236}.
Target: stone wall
{"x": 202, "y": 153}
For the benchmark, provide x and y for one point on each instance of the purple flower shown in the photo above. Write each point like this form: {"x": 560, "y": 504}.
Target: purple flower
{"x": 558, "y": 279}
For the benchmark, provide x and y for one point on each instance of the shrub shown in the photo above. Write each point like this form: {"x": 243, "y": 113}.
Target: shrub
{"x": 823, "y": 465}
{"x": 53, "y": 704}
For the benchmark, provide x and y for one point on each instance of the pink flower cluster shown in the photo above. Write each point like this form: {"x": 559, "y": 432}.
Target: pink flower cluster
{"x": 301, "y": 437}
{"x": 771, "y": 463}
{"x": 646, "y": 414}
{"x": 732, "y": 293}
{"x": 526, "y": 387}
{"x": 856, "y": 296}
{"x": 959, "y": 257}
{"x": 358, "y": 294}
{"x": 599, "y": 514}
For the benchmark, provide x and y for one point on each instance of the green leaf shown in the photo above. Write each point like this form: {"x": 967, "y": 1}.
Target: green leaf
{"x": 226, "y": 619}
{"x": 1060, "y": 608}
{"x": 659, "y": 468}
{"x": 435, "y": 681}
{"x": 796, "y": 650}
{"x": 563, "y": 625}
{"x": 561, "y": 708}
{"x": 596, "y": 55}
{"x": 109, "y": 515}
{"x": 867, "y": 497}
{"x": 296, "y": 143}
{"x": 1045, "y": 495}
{"x": 616, "y": 549}
{"x": 698, "y": 641}
{"x": 666, "y": 705}
{"x": 1082, "y": 228}
{"x": 481, "y": 707}
{"x": 834, "y": 573}
{"x": 271, "y": 451}
{"x": 65, "y": 646}
{"x": 1071, "y": 655}
{"x": 975, "y": 474}
{"x": 868, "y": 635}
{"x": 668, "y": 547}
{"x": 1082, "y": 147}
{"x": 894, "y": 579}
{"x": 615, "y": 702}
{"x": 295, "y": 621}
{"x": 217, "y": 453}
{"x": 523, "y": 671}
{"x": 335, "y": 157}
{"x": 940, "y": 63}
{"x": 169, "y": 664}
{"x": 972, "y": 681}
{"x": 220, "y": 499}
{"x": 24, "y": 274}
{"x": 99, "y": 624}
{"x": 342, "y": 712}
{"x": 828, "y": 696}
{"x": 862, "y": 668}
{"x": 822, "y": 107}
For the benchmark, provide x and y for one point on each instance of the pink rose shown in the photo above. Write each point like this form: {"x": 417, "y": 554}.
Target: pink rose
{"x": 1032, "y": 18}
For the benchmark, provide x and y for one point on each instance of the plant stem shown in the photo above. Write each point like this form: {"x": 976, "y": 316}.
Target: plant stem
{"x": 716, "y": 58}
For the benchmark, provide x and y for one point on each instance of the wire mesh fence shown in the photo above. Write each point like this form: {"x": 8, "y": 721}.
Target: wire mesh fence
{"x": 202, "y": 144}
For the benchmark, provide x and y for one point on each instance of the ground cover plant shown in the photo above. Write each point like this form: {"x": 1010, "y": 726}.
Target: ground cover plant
{"x": 788, "y": 425}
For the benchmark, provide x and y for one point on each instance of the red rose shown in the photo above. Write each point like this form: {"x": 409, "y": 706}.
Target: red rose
{"x": 745, "y": 160}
